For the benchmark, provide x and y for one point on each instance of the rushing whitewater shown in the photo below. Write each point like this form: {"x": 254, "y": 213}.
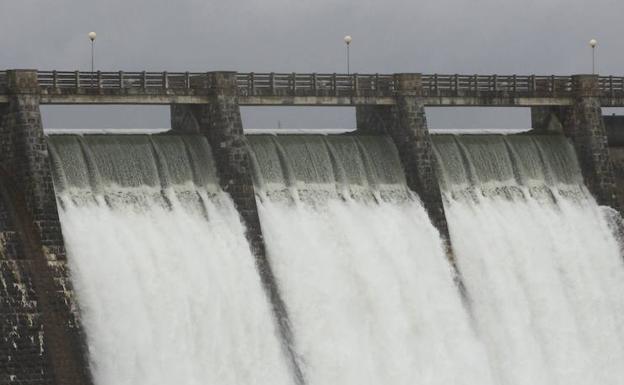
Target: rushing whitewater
{"x": 362, "y": 271}
{"x": 538, "y": 258}
{"x": 167, "y": 285}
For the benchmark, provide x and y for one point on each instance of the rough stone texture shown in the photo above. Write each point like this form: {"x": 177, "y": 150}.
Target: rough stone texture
{"x": 584, "y": 125}
{"x": 42, "y": 342}
{"x": 406, "y": 123}
{"x": 220, "y": 121}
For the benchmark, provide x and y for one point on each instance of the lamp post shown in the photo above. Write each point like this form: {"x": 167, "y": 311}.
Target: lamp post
{"x": 593, "y": 43}
{"x": 92, "y": 36}
{"x": 347, "y": 40}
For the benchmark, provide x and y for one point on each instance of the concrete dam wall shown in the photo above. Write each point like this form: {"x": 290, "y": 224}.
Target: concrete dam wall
{"x": 389, "y": 255}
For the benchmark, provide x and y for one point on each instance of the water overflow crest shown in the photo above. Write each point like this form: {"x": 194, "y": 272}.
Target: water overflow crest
{"x": 163, "y": 270}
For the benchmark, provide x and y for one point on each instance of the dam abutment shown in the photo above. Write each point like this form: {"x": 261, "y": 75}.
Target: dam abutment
{"x": 46, "y": 343}
{"x": 220, "y": 122}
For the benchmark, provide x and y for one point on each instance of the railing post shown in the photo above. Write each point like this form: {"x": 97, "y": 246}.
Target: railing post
{"x": 54, "y": 80}
{"x": 77, "y": 79}
{"x": 495, "y": 82}
{"x": 99, "y": 79}
{"x": 121, "y": 79}
{"x": 515, "y": 85}
{"x": 456, "y": 84}
{"x": 314, "y": 84}
{"x": 334, "y": 85}
{"x": 377, "y": 84}
{"x": 533, "y": 85}
{"x": 165, "y": 80}
{"x": 144, "y": 76}
{"x": 436, "y": 91}
{"x": 294, "y": 84}
{"x": 476, "y": 84}
{"x": 252, "y": 84}
{"x": 187, "y": 80}
{"x": 272, "y": 81}
{"x": 611, "y": 86}
{"x": 355, "y": 84}
{"x": 552, "y": 85}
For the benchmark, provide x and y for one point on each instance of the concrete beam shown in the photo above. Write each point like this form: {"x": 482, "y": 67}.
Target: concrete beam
{"x": 494, "y": 101}
{"x": 319, "y": 101}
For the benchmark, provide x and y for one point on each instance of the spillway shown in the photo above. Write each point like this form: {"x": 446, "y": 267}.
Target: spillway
{"x": 538, "y": 256}
{"x": 362, "y": 271}
{"x": 167, "y": 285}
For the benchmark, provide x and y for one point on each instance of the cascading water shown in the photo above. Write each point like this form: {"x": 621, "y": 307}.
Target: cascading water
{"x": 362, "y": 271}
{"x": 167, "y": 285}
{"x": 538, "y": 258}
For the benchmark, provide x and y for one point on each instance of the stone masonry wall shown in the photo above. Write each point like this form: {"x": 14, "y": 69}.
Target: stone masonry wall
{"x": 583, "y": 124}
{"x": 406, "y": 123}
{"x": 220, "y": 122}
{"x": 42, "y": 340}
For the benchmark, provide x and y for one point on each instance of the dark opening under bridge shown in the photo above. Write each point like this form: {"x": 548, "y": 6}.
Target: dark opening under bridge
{"x": 208, "y": 104}
{"x": 257, "y": 89}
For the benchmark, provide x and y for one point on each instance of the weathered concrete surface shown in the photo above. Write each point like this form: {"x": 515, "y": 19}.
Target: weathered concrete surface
{"x": 406, "y": 123}
{"x": 167, "y": 98}
{"x": 42, "y": 341}
{"x": 220, "y": 122}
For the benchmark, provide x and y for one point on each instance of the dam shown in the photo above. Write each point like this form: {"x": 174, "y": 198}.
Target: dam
{"x": 391, "y": 254}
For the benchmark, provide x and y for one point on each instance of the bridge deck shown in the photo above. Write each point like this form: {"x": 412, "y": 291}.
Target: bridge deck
{"x": 275, "y": 89}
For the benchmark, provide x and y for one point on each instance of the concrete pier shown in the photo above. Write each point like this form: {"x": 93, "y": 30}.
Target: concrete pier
{"x": 582, "y": 122}
{"x": 219, "y": 120}
{"x": 406, "y": 123}
{"x": 43, "y": 342}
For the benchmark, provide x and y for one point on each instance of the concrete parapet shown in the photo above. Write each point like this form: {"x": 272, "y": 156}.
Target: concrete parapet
{"x": 34, "y": 259}
{"x": 220, "y": 122}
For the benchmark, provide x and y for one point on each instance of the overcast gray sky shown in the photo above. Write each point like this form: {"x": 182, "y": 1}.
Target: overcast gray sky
{"x": 443, "y": 36}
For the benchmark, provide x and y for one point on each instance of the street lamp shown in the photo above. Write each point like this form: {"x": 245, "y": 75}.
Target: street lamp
{"x": 347, "y": 40}
{"x": 593, "y": 43}
{"x": 92, "y": 36}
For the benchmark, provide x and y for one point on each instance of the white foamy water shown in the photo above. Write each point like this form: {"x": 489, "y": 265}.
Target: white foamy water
{"x": 168, "y": 288}
{"x": 539, "y": 261}
{"x": 366, "y": 282}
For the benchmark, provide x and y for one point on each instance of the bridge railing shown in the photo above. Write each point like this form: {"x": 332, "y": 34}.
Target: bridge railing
{"x": 294, "y": 84}
{"x": 612, "y": 86}
{"x": 313, "y": 84}
{"x": 59, "y": 80}
{"x": 513, "y": 85}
